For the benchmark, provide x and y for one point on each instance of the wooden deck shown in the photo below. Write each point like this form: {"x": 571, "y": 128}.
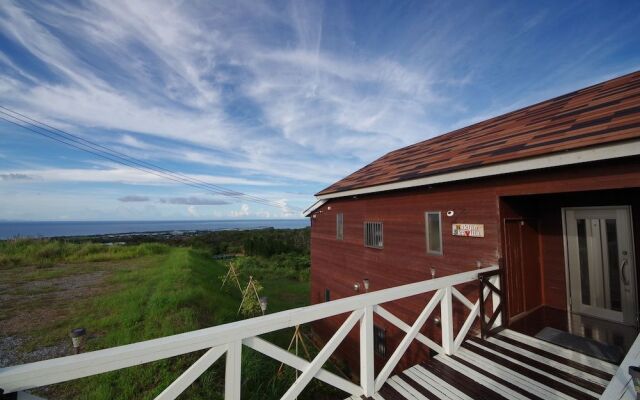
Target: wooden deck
{"x": 509, "y": 365}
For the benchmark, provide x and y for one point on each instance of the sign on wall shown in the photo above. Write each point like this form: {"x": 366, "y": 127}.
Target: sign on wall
{"x": 470, "y": 230}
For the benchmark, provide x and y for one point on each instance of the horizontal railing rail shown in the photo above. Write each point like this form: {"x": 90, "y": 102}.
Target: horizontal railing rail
{"x": 228, "y": 340}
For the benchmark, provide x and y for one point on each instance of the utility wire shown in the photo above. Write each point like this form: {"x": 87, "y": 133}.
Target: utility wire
{"x": 77, "y": 142}
{"x": 120, "y": 155}
{"x": 103, "y": 155}
{"x": 131, "y": 162}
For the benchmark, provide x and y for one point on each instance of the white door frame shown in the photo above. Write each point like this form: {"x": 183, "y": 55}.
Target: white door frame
{"x": 632, "y": 257}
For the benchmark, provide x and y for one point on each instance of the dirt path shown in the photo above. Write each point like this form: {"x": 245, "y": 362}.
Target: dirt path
{"x": 34, "y": 305}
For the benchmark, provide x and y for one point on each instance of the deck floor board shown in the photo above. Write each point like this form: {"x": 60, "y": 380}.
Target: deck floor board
{"x": 511, "y": 343}
{"x": 508, "y": 366}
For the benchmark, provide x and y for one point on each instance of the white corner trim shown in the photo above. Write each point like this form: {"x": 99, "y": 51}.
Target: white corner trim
{"x": 313, "y": 207}
{"x": 617, "y": 150}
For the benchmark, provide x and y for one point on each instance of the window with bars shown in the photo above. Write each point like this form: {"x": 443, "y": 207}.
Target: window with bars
{"x": 379, "y": 341}
{"x": 433, "y": 222}
{"x": 339, "y": 226}
{"x": 373, "y": 234}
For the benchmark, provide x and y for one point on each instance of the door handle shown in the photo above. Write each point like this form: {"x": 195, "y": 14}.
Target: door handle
{"x": 623, "y": 270}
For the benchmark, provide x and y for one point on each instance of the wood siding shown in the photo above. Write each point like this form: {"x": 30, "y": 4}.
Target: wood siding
{"x": 338, "y": 264}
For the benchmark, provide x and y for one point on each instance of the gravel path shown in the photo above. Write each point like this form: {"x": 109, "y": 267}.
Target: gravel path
{"x": 36, "y": 305}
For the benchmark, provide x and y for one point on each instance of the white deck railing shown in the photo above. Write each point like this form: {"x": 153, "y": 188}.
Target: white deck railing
{"x": 622, "y": 385}
{"x": 228, "y": 340}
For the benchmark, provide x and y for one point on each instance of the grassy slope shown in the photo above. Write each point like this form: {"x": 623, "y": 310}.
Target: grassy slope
{"x": 172, "y": 296}
{"x": 168, "y": 291}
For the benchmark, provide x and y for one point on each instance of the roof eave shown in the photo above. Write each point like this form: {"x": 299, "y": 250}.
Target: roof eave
{"x": 598, "y": 153}
{"x": 313, "y": 207}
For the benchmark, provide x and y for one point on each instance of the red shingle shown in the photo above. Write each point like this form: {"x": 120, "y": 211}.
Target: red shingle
{"x": 604, "y": 113}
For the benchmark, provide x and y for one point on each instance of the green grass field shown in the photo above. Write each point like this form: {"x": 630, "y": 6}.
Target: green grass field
{"x": 133, "y": 293}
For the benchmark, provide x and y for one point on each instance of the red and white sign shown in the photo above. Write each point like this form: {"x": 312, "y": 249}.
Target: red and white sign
{"x": 470, "y": 230}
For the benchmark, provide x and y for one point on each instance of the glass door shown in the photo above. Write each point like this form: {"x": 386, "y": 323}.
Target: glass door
{"x": 601, "y": 264}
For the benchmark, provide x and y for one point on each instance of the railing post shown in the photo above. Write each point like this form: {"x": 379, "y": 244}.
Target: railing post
{"x": 367, "y": 378}
{"x": 232, "y": 377}
{"x": 496, "y": 299}
{"x": 446, "y": 319}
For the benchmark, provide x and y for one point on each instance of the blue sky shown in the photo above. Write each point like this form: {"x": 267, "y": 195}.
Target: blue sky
{"x": 274, "y": 99}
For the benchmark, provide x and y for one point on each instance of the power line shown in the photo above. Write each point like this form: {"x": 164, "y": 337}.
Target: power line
{"x": 120, "y": 155}
{"x": 193, "y": 182}
{"x": 121, "y": 158}
{"x": 79, "y": 143}
{"x": 99, "y": 154}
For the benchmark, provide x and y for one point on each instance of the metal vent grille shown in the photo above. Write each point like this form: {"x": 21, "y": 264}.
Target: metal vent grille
{"x": 373, "y": 234}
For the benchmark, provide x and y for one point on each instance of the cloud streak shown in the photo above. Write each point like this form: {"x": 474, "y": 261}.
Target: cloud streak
{"x": 313, "y": 102}
{"x": 133, "y": 199}
{"x": 15, "y": 177}
{"x": 194, "y": 201}
{"x": 111, "y": 173}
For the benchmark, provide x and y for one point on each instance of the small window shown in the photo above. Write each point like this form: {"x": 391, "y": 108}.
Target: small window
{"x": 379, "y": 341}
{"x": 339, "y": 226}
{"x": 327, "y": 295}
{"x": 434, "y": 232}
{"x": 373, "y": 234}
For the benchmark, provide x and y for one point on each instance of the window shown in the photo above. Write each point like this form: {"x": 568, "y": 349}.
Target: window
{"x": 327, "y": 295}
{"x": 373, "y": 234}
{"x": 339, "y": 226}
{"x": 434, "y": 232}
{"x": 379, "y": 341}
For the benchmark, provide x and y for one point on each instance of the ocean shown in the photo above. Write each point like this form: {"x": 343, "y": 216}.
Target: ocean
{"x": 88, "y": 228}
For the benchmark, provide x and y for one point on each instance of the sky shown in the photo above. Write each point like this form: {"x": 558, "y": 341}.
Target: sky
{"x": 273, "y": 99}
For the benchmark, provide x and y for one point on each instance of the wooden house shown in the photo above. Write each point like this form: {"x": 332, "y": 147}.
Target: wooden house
{"x": 550, "y": 193}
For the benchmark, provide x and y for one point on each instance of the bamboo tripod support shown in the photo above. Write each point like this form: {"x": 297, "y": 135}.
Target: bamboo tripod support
{"x": 250, "y": 285}
{"x": 232, "y": 275}
{"x": 296, "y": 340}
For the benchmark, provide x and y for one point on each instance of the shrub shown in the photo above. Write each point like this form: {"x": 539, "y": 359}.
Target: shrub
{"x": 51, "y": 250}
{"x": 303, "y": 276}
{"x": 45, "y": 253}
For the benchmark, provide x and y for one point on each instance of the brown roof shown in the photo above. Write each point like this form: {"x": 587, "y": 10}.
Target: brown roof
{"x": 603, "y": 113}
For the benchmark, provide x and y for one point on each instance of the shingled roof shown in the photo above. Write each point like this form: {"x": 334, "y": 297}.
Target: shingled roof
{"x": 601, "y": 114}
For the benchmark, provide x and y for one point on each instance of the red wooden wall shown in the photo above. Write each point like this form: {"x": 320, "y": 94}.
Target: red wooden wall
{"x": 337, "y": 265}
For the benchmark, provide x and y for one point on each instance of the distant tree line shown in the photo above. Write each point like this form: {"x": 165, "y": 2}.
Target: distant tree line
{"x": 258, "y": 242}
{"x": 267, "y": 243}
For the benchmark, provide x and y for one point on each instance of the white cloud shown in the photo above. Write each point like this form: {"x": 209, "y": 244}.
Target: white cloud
{"x": 193, "y": 201}
{"x": 242, "y": 212}
{"x": 285, "y": 210}
{"x": 172, "y": 65}
{"x": 193, "y": 211}
{"x": 117, "y": 174}
{"x": 89, "y": 100}
{"x": 263, "y": 214}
